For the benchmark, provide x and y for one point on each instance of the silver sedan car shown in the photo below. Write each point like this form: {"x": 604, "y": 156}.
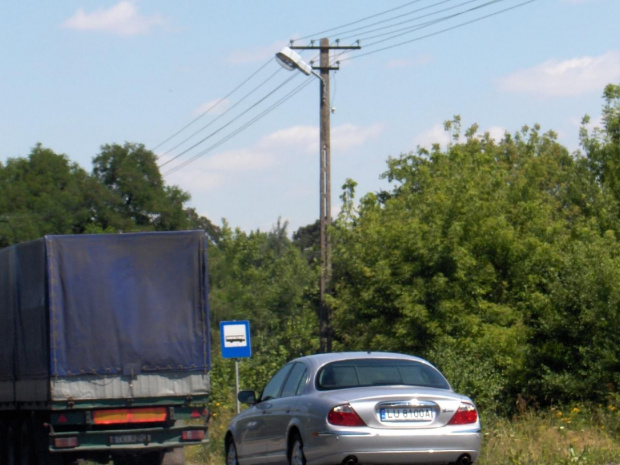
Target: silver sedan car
{"x": 355, "y": 408}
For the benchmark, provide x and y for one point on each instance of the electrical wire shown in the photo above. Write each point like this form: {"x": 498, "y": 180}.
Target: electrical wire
{"x": 212, "y": 106}
{"x": 438, "y": 32}
{"x": 431, "y": 23}
{"x": 240, "y": 129}
{"x": 392, "y": 35}
{"x": 232, "y": 107}
{"x": 363, "y": 37}
{"x": 277, "y": 88}
{"x": 358, "y": 21}
{"x": 395, "y": 18}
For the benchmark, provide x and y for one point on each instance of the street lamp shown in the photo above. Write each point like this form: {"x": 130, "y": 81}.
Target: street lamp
{"x": 290, "y": 60}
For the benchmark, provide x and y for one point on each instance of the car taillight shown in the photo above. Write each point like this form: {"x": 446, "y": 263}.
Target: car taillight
{"x": 344, "y": 415}
{"x": 465, "y": 414}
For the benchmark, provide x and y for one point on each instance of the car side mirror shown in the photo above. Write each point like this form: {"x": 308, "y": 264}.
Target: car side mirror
{"x": 246, "y": 397}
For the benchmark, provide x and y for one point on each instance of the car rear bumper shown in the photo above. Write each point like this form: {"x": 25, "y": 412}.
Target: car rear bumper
{"x": 393, "y": 447}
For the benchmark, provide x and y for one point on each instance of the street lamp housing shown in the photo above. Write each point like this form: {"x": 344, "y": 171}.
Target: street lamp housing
{"x": 291, "y": 60}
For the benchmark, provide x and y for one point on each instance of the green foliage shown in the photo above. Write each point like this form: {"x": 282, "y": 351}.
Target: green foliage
{"x": 499, "y": 261}
{"x": 496, "y": 260}
{"x": 130, "y": 171}
{"x": 46, "y": 194}
{"x": 263, "y": 277}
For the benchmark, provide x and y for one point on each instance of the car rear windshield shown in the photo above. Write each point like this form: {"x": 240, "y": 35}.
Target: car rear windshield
{"x": 378, "y": 372}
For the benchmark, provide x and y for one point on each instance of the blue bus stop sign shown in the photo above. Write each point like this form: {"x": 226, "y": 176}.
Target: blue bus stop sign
{"x": 235, "y": 339}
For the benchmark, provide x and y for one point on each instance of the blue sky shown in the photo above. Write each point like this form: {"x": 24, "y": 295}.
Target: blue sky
{"x": 79, "y": 74}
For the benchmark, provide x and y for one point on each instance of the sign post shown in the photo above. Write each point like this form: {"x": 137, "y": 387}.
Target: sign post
{"x": 235, "y": 342}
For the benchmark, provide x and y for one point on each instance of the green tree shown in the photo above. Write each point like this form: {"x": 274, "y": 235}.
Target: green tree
{"x": 264, "y": 278}
{"x": 471, "y": 260}
{"x": 130, "y": 171}
{"x": 307, "y": 239}
{"x": 602, "y": 146}
{"x": 47, "y": 194}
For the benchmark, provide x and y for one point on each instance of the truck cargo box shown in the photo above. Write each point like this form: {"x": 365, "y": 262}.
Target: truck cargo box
{"x": 108, "y": 316}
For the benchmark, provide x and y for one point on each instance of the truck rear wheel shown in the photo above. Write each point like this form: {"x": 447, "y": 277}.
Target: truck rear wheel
{"x": 8, "y": 442}
{"x": 26, "y": 443}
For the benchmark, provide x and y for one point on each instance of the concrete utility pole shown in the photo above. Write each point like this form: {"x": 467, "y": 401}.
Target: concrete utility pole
{"x": 324, "y": 68}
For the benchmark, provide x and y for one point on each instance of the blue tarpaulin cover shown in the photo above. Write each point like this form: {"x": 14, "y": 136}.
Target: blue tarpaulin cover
{"x": 105, "y": 304}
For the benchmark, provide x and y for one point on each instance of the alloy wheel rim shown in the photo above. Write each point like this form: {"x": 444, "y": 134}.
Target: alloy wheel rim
{"x": 231, "y": 456}
{"x": 297, "y": 455}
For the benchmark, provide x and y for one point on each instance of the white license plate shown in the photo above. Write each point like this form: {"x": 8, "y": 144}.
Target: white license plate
{"x": 130, "y": 439}
{"x": 407, "y": 414}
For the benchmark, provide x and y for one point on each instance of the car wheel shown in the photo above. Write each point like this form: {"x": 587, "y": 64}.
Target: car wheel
{"x": 296, "y": 455}
{"x": 231, "y": 453}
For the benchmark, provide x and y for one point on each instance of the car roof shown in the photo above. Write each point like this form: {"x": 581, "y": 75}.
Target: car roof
{"x": 318, "y": 360}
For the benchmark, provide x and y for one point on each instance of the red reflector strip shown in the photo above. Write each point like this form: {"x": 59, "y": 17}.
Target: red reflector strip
{"x": 193, "y": 435}
{"x": 130, "y": 415}
{"x": 65, "y": 443}
{"x": 197, "y": 413}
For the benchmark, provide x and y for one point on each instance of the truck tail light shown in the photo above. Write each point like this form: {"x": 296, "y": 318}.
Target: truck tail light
{"x": 465, "y": 415}
{"x": 344, "y": 415}
{"x": 198, "y": 413}
{"x": 193, "y": 435}
{"x": 130, "y": 415}
{"x": 65, "y": 443}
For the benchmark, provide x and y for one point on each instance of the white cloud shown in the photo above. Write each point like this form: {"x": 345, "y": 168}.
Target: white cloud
{"x": 435, "y": 135}
{"x": 215, "y": 107}
{"x": 209, "y": 173}
{"x": 252, "y": 55}
{"x": 438, "y": 135}
{"x": 239, "y": 160}
{"x": 348, "y": 136}
{"x": 496, "y": 132}
{"x": 121, "y": 19}
{"x": 569, "y": 77}
{"x": 198, "y": 179}
{"x": 306, "y": 138}
{"x": 212, "y": 171}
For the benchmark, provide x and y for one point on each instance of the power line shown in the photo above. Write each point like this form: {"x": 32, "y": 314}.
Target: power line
{"x": 395, "y": 18}
{"x": 431, "y": 23}
{"x": 223, "y": 113}
{"x": 231, "y": 121}
{"x": 439, "y": 32}
{"x": 394, "y": 34}
{"x": 212, "y": 106}
{"x": 240, "y": 129}
{"x": 362, "y": 38}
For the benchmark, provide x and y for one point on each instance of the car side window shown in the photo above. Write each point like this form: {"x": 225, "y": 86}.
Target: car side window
{"x": 274, "y": 386}
{"x": 295, "y": 379}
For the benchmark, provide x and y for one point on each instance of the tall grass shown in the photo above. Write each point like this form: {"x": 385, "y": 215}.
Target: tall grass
{"x": 572, "y": 435}
{"x": 575, "y": 435}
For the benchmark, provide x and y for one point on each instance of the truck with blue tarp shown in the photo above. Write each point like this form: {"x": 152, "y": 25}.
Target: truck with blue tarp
{"x": 104, "y": 348}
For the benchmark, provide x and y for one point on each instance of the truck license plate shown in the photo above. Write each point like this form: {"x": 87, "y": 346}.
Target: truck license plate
{"x": 130, "y": 439}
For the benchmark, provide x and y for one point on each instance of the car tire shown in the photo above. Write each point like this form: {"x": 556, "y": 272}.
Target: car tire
{"x": 231, "y": 452}
{"x": 296, "y": 454}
